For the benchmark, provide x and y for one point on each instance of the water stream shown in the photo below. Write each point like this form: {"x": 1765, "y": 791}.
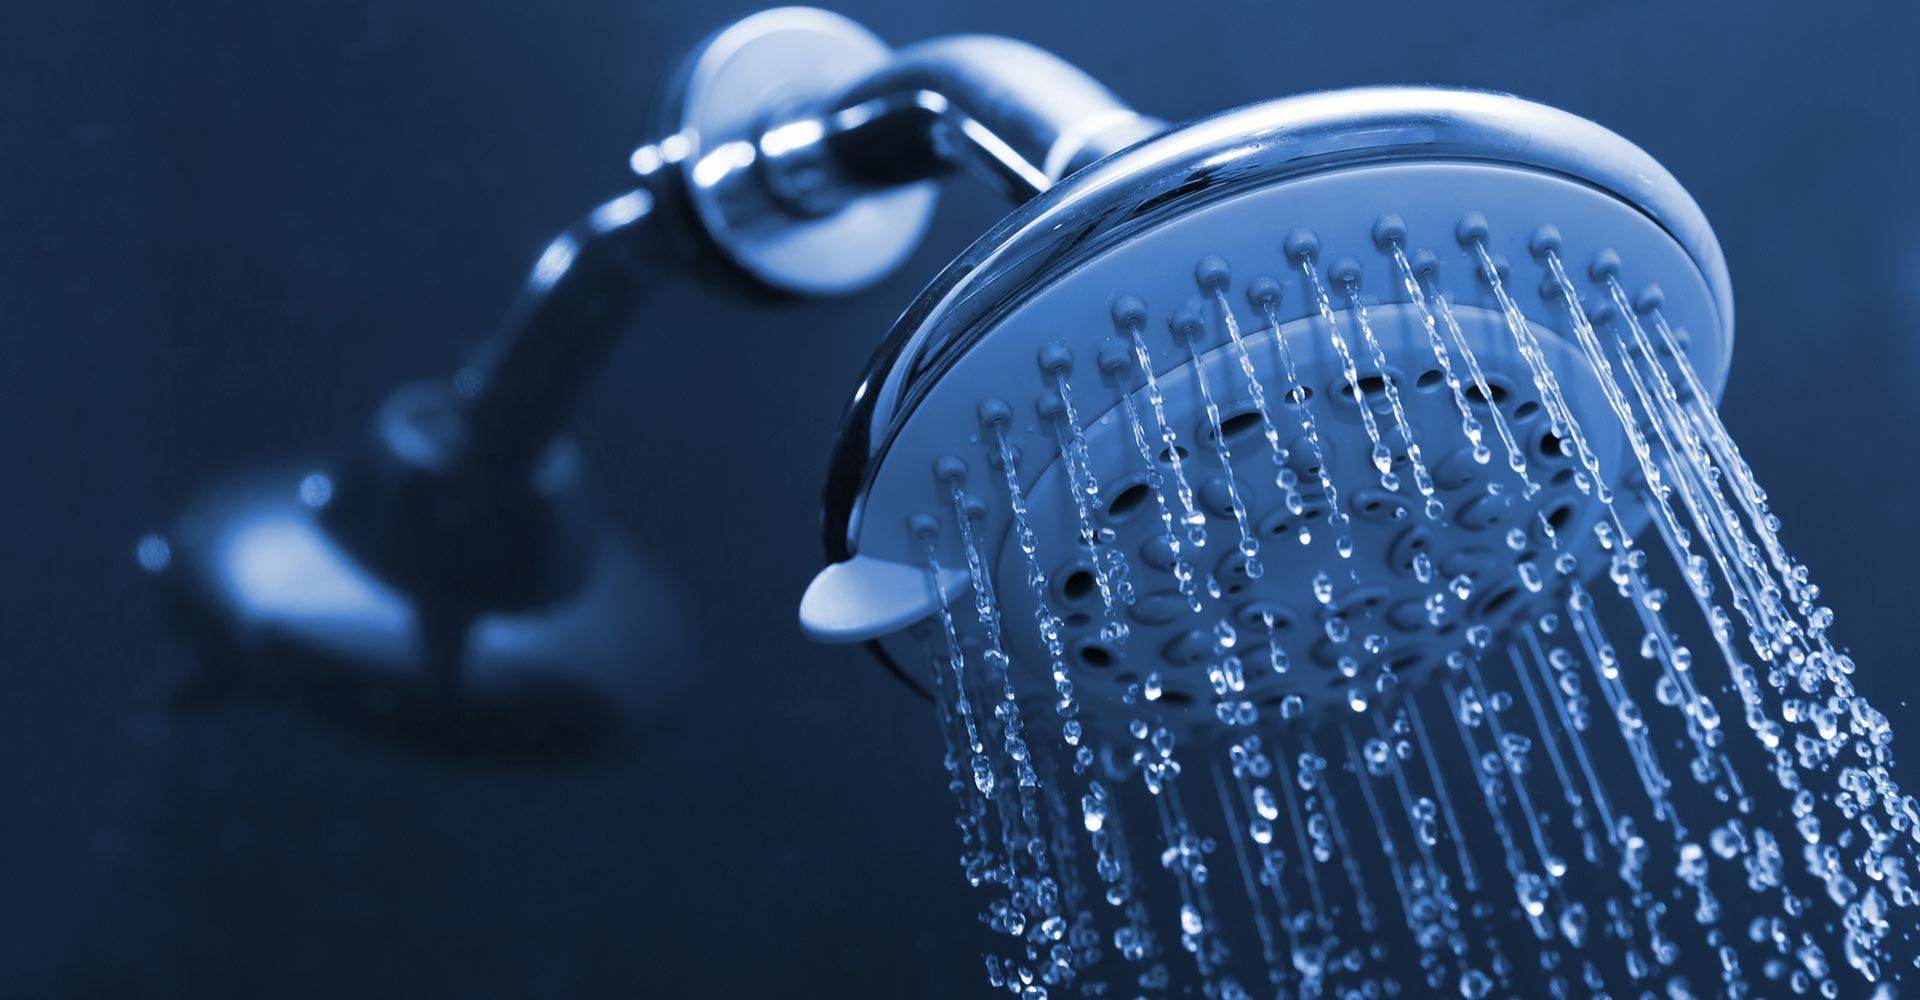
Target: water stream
{"x": 1597, "y": 802}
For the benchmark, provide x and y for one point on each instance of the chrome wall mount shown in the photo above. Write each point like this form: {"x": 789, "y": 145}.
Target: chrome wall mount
{"x": 446, "y": 583}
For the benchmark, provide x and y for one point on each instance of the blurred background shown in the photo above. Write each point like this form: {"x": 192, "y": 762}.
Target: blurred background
{"x": 226, "y": 230}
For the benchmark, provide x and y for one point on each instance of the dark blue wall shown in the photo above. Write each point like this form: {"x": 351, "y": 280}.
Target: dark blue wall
{"x": 225, "y": 230}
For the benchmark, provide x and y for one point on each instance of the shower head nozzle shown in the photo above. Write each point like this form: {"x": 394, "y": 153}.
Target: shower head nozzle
{"x": 1368, "y": 321}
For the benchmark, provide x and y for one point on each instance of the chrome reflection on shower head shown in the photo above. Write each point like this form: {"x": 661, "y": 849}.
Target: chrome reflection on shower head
{"x": 1354, "y": 224}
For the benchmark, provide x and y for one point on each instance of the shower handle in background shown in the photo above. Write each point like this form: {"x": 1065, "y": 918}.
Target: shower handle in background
{"x": 446, "y": 579}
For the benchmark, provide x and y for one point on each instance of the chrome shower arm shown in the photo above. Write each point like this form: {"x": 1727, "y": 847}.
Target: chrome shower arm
{"x": 1019, "y": 114}
{"x": 805, "y": 147}
{"x": 1015, "y": 113}
{"x": 1003, "y": 108}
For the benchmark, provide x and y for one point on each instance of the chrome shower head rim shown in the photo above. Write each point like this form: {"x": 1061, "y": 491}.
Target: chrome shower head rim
{"x": 1215, "y": 158}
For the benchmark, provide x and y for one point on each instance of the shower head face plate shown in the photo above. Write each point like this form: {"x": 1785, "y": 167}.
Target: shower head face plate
{"x": 1376, "y": 600}
{"x": 933, "y": 388}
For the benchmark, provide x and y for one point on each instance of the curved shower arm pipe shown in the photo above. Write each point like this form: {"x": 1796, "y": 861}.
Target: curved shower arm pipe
{"x": 1018, "y": 114}
{"x": 1015, "y": 113}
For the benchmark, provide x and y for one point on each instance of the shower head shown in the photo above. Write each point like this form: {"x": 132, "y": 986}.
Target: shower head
{"x": 1269, "y": 327}
{"x": 1238, "y": 441}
